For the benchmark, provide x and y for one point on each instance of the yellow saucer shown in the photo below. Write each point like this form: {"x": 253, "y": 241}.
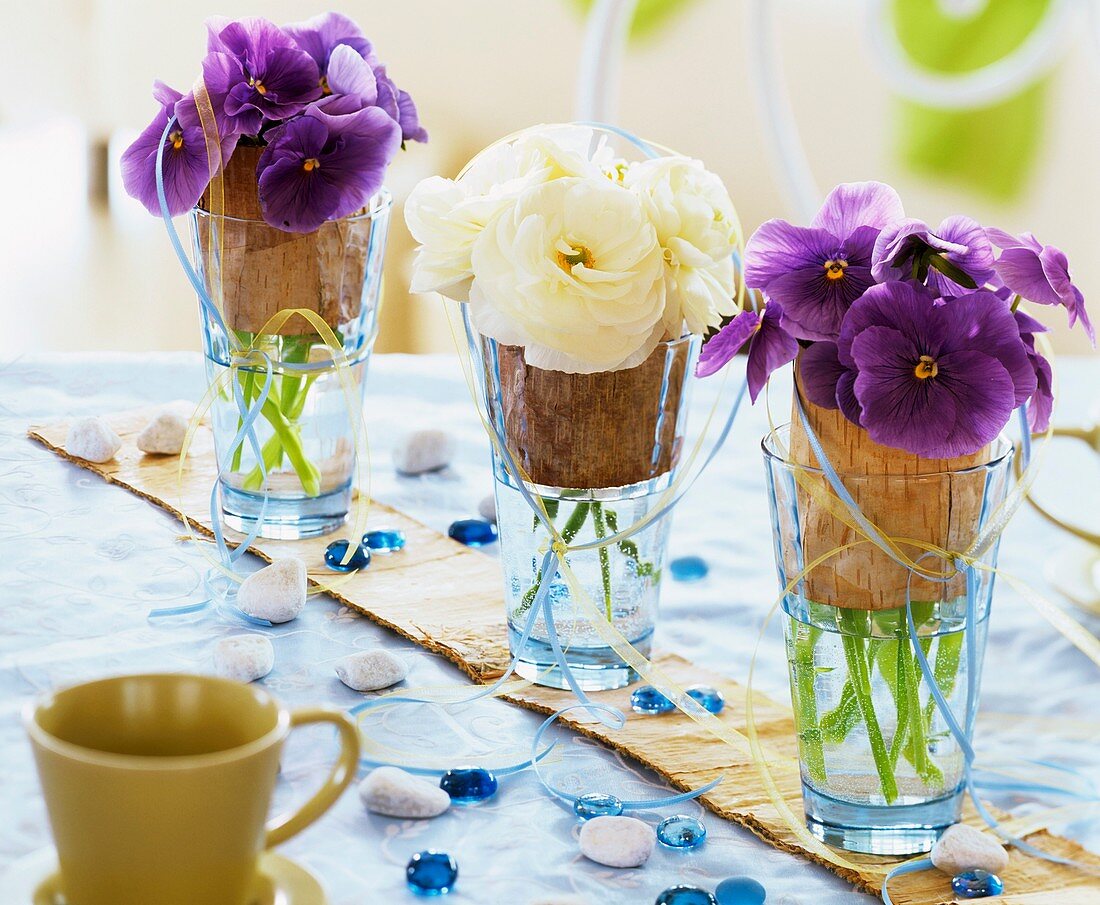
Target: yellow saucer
{"x": 34, "y": 880}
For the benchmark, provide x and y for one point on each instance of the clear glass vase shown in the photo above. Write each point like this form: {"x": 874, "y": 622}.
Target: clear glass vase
{"x": 600, "y": 450}
{"x": 308, "y": 428}
{"x": 881, "y": 772}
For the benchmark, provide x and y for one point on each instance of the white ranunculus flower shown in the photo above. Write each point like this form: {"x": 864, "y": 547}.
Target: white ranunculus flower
{"x": 446, "y": 216}
{"x": 697, "y": 228}
{"x": 573, "y": 273}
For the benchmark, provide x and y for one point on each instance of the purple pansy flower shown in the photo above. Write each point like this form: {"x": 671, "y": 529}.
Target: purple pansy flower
{"x": 1040, "y": 274}
{"x": 935, "y": 380}
{"x": 1041, "y": 404}
{"x": 187, "y": 166}
{"x": 770, "y": 346}
{"x": 400, "y": 106}
{"x": 954, "y": 259}
{"x": 322, "y": 34}
{"x": 816, "y": 272}
{"x": 320, "y": 37}
{"x": 320, "y": 167}
{"x": 267, "y": 70}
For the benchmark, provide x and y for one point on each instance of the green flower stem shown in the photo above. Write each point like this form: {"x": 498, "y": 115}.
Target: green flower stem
{"x": 291, "y": 444}
{"x": 855, "y": 655}
{"x": 605, "y": 558}
{"x": 572, "y": 527}
{"x": 842, "y": 719}
{"x": 629, "y": 549}
{"x": 805, "y": 672}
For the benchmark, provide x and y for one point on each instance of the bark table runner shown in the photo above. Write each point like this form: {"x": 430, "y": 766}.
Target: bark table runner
{"x": 418, "y": 595}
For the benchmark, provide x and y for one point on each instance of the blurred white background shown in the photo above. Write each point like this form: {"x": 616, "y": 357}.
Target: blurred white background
{"x": 76, "y": 274}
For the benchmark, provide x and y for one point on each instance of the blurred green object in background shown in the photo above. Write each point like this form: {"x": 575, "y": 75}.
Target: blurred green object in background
{"x": 649, "y": 15}
{"x": 991, "y": 149}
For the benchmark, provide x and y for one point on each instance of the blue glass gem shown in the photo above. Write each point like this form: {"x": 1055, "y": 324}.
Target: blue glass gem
{"x": 977, "y": 884}
{"x": 431, "y": 873}
{"x": 337, "y": 550}
{"x": 648, "y": 699}
{"x": 685, "y": 895}
{"x": 689, "y": 568}
{"x": 740, "y": 891}
{"x": 595, "y": 804}
{"x": 384, "y": 540}
{"x": 709, "y": 698}
{"x": 681, "y": 832}
{"x": 473, "y": 532}
{"x": 467, "y": 785}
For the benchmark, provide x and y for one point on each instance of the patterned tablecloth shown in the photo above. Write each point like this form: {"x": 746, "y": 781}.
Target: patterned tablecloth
{"x": 82, "y": 564}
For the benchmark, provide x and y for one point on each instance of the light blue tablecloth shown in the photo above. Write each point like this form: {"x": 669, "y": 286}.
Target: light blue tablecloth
{"x": 82, "y": 563}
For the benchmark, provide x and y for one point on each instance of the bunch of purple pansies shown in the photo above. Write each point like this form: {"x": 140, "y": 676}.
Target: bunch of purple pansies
{"x": 914, "y": 333}
{"x": 313, "y": 95}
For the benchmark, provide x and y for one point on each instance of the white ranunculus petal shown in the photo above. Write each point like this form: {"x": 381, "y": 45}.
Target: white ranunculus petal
{"x": 585, "y": 317}
{"x": 697, "y": 227}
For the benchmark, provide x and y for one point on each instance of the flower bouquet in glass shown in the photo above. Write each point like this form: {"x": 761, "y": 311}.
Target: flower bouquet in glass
{"x": 279, "y": 154}
{"x": 911, "y": 353}
{"x": 587, "y": 281}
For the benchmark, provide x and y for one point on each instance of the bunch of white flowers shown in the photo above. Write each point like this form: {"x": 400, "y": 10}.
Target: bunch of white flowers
{"x": 585, "y": 260}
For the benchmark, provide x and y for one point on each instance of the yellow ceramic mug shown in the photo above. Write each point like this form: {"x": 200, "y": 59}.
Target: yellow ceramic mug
{"x": 158, "y": 786}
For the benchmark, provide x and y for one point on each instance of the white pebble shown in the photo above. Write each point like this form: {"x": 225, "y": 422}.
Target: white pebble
{"x": 164, "y": 434}
{"x": 395, "y": 793}
{"x": 370, "y": 670}
{"x": 423, "y": 450}
{"x": 617, "y": 841}
{"x": 963, "y": 847}
{"x": 785, "y": 900}
{"x": 487, "y": 508}
{"x": 244, "y": 658}
{"x": 92, "y": 439}
{"x": 276, "y": 592}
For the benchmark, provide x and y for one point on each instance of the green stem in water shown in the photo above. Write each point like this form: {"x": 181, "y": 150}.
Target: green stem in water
{"x": 605, "y": 558}
{"x": 809, "y": 730}
{"x": 842, "y": 719}
{"x": 573, "y": 525}
{"x": 291, "y": 444}
{"x": 855, "y": 655}
{"x": 946, "y": 669}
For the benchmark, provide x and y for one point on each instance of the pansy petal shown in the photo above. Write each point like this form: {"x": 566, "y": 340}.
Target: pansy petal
{"x": 1041, "y": 404}
{"x": 846, "y": 397}
{"x": 819, "y": 370}
{"x": 778, "y": 247}
{"x": 770, "y": 349}
{"x": 349, "y": 73}
{"x": 409, "y": 118}
{"x": 1022, "y": 272}
{"x": 980, "y": 320}
{"x": 720, "y": 349}
{"x": 854, "y": 204}
{"x": 982, "y": 391}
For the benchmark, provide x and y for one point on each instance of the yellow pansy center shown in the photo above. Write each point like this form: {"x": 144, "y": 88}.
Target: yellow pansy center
{"x": 580, "y": 255}
{"x": 176, "y": 137}
{"x": 926, "y": 367}
{"x": 834, "y": 268}
{"x": 258, "y": 85}
{"x": 325, "y": 89}
{"x": 311, "y": 164}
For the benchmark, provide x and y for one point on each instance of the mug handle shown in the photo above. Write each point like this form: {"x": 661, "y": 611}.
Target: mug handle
{"x": 343, "y": 772}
